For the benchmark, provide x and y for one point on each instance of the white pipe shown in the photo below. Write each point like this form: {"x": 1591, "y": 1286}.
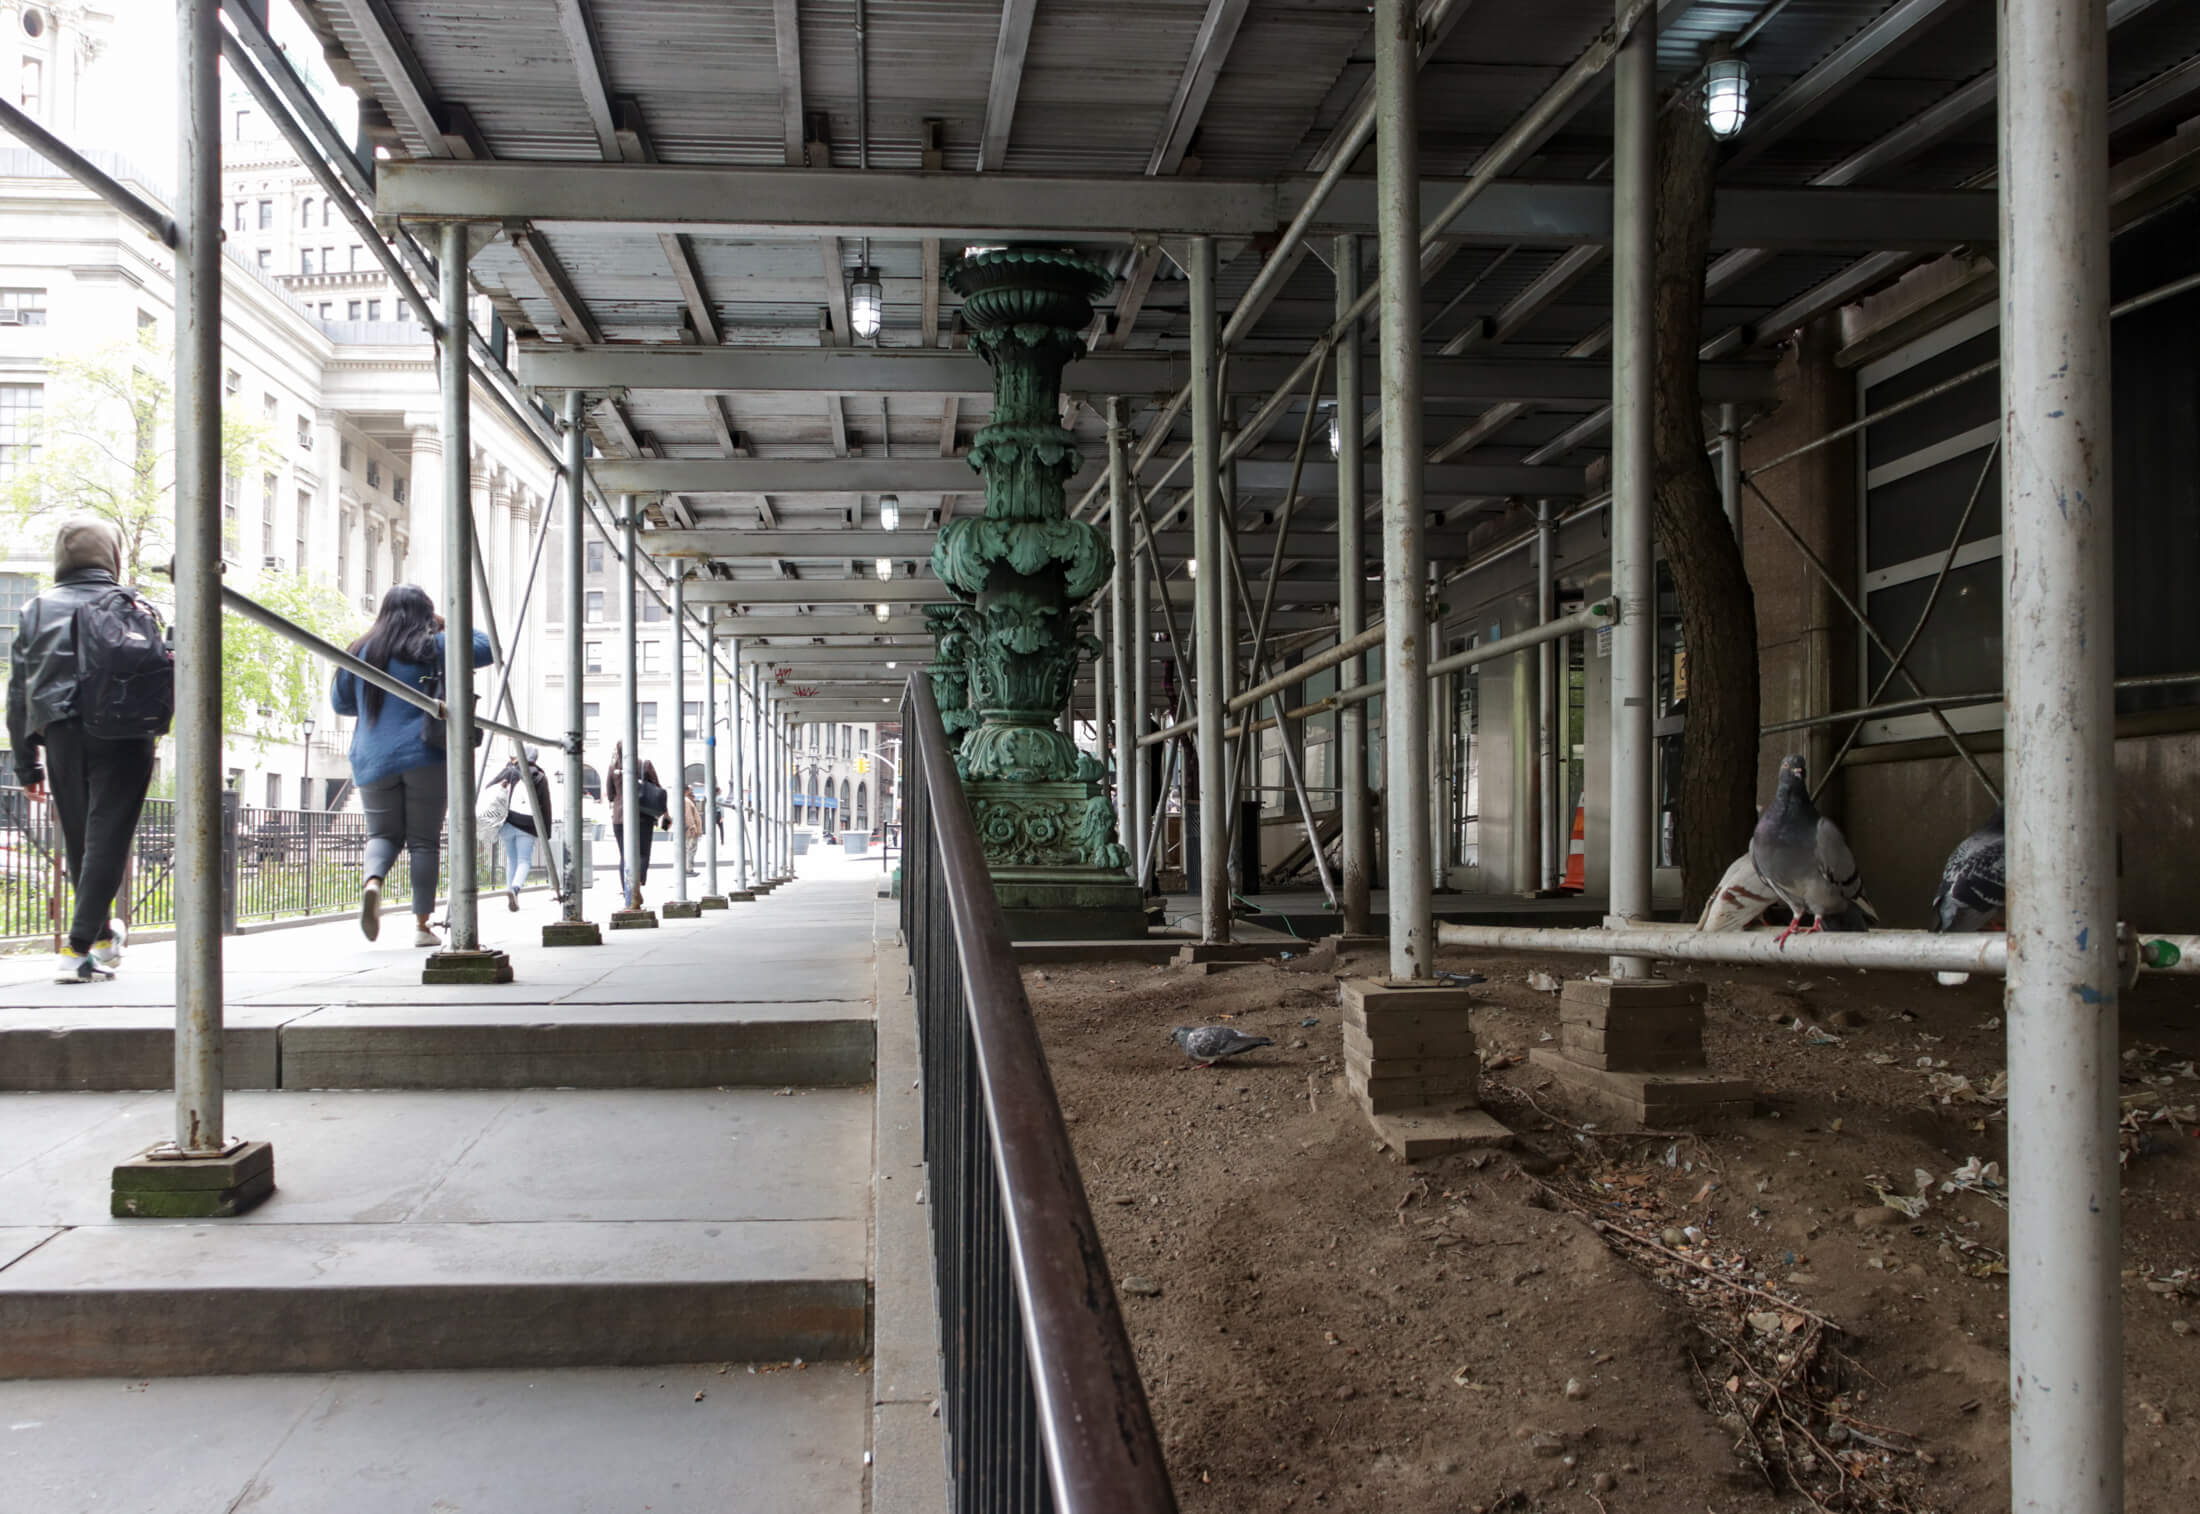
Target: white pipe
{"x": 1210, "y": 650}
{"x": 2059, "y": 632}
{"x": 1551, "y": 711}
{"x": 1920, "y": 951}
{"x": 1356, "y": 847}
{"x": 1123, "y": 646}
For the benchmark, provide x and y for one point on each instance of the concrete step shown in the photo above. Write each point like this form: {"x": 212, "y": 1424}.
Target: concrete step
{"x": 658, "y": 1044}
{"x": 676, "y": 1440}
{"x": 414, "y": 1231}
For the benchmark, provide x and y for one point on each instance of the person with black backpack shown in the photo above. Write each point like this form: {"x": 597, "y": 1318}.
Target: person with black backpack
{"x": 397, "y": 752}
{"x": 92, "y": 688}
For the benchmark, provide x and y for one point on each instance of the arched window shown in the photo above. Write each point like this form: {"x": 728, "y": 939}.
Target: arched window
{"x": 694, "y": 776}
{"x": 816, "y": 816}
{"x": 324, "y": 212}
{"x": 305, "y": 211}
{"x": 591, "y": 783}
{"x": 844, "y": 801}
{"x": 863, "y": 807}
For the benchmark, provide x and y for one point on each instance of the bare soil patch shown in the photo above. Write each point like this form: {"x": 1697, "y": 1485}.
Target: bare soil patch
{"x": 1321, "y": 1326}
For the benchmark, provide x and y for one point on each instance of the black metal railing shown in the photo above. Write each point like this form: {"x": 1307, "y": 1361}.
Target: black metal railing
{"x": 1042, "y": 1400}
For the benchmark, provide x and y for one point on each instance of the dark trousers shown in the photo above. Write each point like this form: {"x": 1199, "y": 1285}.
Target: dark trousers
{"x": 98, "y": 791}
{"x": 618, "y": 840}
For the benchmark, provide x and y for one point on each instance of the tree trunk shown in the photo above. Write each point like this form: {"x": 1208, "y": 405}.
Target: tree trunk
{"x": 1718, "y": 611}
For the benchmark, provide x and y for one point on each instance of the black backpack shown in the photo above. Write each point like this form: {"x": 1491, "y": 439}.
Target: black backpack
{"x": 650, "y": 799}
{"x": 125, "y": 671}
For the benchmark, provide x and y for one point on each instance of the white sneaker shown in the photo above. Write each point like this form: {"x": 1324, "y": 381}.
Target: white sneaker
{"x": 107, "y": 950}
{"x": 426, "y": 937}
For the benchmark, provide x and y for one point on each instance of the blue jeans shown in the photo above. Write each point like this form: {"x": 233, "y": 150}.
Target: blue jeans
{"x": 519, "y": 854}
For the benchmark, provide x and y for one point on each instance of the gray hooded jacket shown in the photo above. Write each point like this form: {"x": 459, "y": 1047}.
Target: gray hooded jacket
{"x": 42, "y": 669}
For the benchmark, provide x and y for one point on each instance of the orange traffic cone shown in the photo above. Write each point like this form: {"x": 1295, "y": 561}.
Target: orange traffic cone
{"x": 1577, "y": 853}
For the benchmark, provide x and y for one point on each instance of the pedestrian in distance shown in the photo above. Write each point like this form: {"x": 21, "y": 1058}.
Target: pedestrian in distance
{"x": 656, "y": 810}
{"x": 524, "y": 821}
{"x": 92, "y": 689}
{"x": 397, "y": 752}
{"x": 692, "y": 833}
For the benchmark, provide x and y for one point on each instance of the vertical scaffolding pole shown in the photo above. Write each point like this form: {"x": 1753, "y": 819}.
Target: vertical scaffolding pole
{"x": 783, "y": 728}
{"x": 1213, "y": 653}
{"x": 1121, "y": 616}
{"x": 676, "y": 790}
{"x": 1405, "y": 551}
{"x": 1730, "y": 466}
{"x": 1357, "y": 815}
{"x": 763, "y": 849}
{"x": 576, "y": 662}
{"x": 198, "y": 723}
{"x": 1551, "y": 719}
{"x": 1103, "y": 711}
{"x": 2065, "y": 1328}
{"x": 1141, "y": 768}
{"x": 630, "y": 762}
{"x": 737, "y": 782}
{"x": 710, "y": 757}
{"x": 1634, "y": 357}
{"x": 458, "y": 589}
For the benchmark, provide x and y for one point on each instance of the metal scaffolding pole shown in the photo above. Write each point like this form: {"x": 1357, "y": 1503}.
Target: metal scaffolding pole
{"x": 1551, "y": 712}
{"x": 710, "y": 769}
{"x": 1405, "y": 550}
{"x": 458, "y": 589}
{"x": 2066, "y": 1385}
{"x": 630, "y": 760}
{"x": 1730, "y": 466}
{"x": 198, "y": 725}
{"x": 1634, "y": 472}
{"x": 734, "y": 766}
{"x": 1141, "y": 766}
{"x": 1356, "y": 847}
{"x": 576, "y": 663}
{"x": 785, "y": 806}
{"x": 1211, "y": 651}
{"x": 1127, "y": 648}
{"x": 759, "y": 721}
{"x": 676, "y": 790}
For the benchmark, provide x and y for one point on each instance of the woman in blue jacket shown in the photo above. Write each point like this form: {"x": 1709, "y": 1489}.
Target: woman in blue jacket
{"x": 397, "y": 752}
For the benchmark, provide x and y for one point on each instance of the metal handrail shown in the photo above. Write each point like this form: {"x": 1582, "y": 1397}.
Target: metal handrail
{"x": 1043, "y": 1404}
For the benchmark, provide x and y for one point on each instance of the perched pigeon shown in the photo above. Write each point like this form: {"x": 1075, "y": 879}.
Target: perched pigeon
{"x": 1739, "y": 901}
{"x": 1208, "y": 1044}
{"x": 1804, "y": 859}
{"x": 1972, "y": 895}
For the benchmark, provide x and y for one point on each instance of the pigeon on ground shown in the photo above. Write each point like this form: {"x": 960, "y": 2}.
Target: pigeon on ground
{"x": 1972, "y": 894}
{"x": 1739, "y": 901}
{"x": 1208, "y": 1044}
{"x": 1805, "y": 860}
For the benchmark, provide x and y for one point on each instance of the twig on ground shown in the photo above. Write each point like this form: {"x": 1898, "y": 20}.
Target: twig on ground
{"x": 1313, "y": 1106}
{"x": 1607, "y": 1227}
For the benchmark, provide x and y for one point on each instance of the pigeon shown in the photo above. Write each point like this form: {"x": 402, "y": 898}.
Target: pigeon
{"x": 1739, "y": 901}
{"x": 1805, "y": 860}
{"x": 1208, "y": 1044}
{"x": 1972, "y": 895}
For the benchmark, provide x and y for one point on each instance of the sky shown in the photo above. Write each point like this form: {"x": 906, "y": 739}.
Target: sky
{"x": 130, "y": 104}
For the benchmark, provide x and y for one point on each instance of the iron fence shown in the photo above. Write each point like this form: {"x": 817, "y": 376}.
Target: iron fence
{"x": 1041, "y": 1396}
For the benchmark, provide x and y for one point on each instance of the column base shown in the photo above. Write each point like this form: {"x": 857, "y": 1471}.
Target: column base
{"x": 682, "y": 909}
{"x": 1632, "y": 1048}
{"x": 572, "y": 933}
{"x": 1660, "y": 1100}
{"x": 1435, "y": 1130}
{"x": 633, "y": 919}
{"x": 480, "y": 966}
{"x": 1069, "y": 904}
{"x": 740, "y": 896}
{"x": 712, "y": 901}
{"x": 152, "y": 1187}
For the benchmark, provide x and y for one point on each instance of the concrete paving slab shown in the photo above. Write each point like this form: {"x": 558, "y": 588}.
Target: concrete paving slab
{"x": 116, "y": 1047}
{"x": 592, "y": 1441}
{"x": 737, "y": 979}
{"x": 34, "y": 1127}
{"x": 165, "y": 1300}
{"x": 19, "y": 1241}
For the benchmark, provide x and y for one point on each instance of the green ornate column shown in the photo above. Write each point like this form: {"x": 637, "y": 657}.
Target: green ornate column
{"x": 1025, "y": 570}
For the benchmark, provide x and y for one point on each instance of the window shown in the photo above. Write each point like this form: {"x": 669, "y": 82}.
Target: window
{"x": 591, "y": 724}
{"x": 267, "y": 215}
{"x": 404, "y": 313}
{"x": 374, "y": 310}
{"x": 343, "y": 457}
{"x": 305, "y": 260}
{"x": 305, "y": 433}
{"x": 649, "y": 651}
{"x": 19, "y": 407}
{"x": 595, "y": 606}
{"x": 274, "y": 791}
{"x": 231, "y": 483}
{"x": 595, "y": 557}
{"x": 236, "y": 219}
{"x": 691, "y": 720}
{"x": 328, "y": 308}
{"x": 267, "y": 504}
{"x": 16, "y": 590}
{"x": 267, "y": 519}
{"x": 34, "y": 78}
{"x": 374, "y": 473}
{"x": 846, "y": 745}
{"x": 355, "y": 258}
{"x": 592, "y": 656}
{"x": 264, "y": 260}
{"x": 324, "y": 212}
{"x": 343, "y": 551}
{"x": 242, "y": 117}
{"x": 232, "y": 383}
{"x": 397, "y": 480}
{"x": 374, "y": 549}
{"x": 651, "y": 610}
{"x": 305, "y": 514}
{"x": 147, "y": 321}
{"x": 397, "y": 558}
{"x": 328, "y": 260}
{"x": 863, "y": 739}
{"x": 268, "y": 407}
{"x": 305, "y": 211}
{"x": 351, "y": 310}
{"x": 22, "y": 307}
{"x": 648, "y": 712}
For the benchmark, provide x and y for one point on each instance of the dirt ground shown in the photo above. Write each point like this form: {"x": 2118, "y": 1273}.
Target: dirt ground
{"x": 1321, "y": 1326}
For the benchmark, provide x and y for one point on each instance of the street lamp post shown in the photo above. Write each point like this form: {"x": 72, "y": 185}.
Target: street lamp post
{"x": 305, "y": 766}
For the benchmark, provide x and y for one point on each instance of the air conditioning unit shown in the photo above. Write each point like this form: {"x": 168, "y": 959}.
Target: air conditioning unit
{"x": 272, "y": 564}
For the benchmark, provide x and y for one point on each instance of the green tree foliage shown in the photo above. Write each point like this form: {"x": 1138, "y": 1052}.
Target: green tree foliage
{"x": 106, "y": 447}
{"x": 270, "y": 684}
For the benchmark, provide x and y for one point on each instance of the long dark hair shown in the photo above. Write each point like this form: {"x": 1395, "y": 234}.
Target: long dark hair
{"x": 404, "y": 631}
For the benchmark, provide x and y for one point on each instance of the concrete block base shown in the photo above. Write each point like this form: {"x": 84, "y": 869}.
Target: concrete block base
{"x": 1661, "y": 1100}
{"x": 683, "y": 909}
{"x": 572, "y": 933}
{"x": 194, "y": 1188}
{"x": 480, "y": 966}
{"x": 633, "y": 919}
{"x": 1233, "y": 952}
{"x": 1434, "y": 1130}
{"x": 1153, "y": 950}
{"x": 740, "y": 896}
{"x": 1409, "y": 1049}
{"x": 712, "y": 901}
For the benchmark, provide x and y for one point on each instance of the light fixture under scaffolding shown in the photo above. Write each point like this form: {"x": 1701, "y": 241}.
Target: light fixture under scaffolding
{"x": 884, "y": 567}
{"x": 889, "y": 511}
{"x": 1725, "y": 95}
{"x": 866, "y": 300}
{"x": 883, "y": 611}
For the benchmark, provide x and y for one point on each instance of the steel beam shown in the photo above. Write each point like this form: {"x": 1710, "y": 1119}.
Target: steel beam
{"x": 736, "y": 544}
{"x": 1010, "y": 44}
{"x": 1838, "y": 72}
{"x": 785, "y": 475}
{"x": 930, "y": 591}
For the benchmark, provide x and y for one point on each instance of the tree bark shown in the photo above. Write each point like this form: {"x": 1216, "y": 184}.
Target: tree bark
{"x": 1718, "y": 609}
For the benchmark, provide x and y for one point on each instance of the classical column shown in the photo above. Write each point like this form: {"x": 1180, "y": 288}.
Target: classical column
{"x": 425, "y": 506}
{"x": 1026, "y": 570}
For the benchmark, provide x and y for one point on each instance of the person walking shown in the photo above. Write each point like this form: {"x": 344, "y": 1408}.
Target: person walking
{"x": 655, "y": 811}
{"x": 62, "y": 730}
{"x": 397, "y": 752}
{"x": 692, "y": 833}
{"x": 519, "y": 832}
